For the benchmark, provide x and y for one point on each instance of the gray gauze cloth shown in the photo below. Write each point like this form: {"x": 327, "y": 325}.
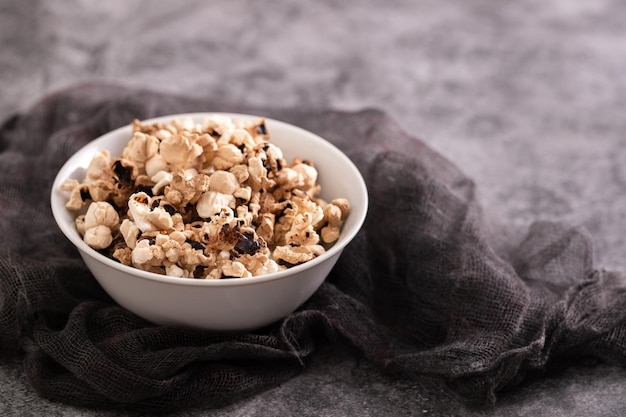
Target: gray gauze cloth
{"x": 421, "y": 292}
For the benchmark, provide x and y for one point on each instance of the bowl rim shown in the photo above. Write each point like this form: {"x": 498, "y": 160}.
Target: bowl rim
{"x": 58, "y": 206}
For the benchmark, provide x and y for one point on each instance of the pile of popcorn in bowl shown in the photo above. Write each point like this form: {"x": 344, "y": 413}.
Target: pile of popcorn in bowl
{"x": 208, "y": 200}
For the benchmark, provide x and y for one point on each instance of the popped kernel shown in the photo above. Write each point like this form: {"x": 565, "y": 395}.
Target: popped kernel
{"x": 206, "y": 200}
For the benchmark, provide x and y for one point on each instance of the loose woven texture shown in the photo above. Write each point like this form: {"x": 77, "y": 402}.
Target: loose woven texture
{"x": 420, "y": 292}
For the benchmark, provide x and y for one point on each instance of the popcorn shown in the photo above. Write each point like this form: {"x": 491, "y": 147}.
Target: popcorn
{"x": 294, "y": 255}
{"x": 332, "y": 214}
{"x": 227, "y": 156}
{"x": 223, "y": 182}
{"x": 182, "y": 190}
{"x": 98, "y": 224}
{"x": 206, "y": 200}
{"x": 99, "y": 168}
{"x": 212, "y": 202}
{"x": 141, "y": 148}
{"x": 148, "y": 218}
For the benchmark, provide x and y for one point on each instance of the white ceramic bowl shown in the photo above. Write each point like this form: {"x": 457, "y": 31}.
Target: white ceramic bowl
{"x": 229, "y": 304}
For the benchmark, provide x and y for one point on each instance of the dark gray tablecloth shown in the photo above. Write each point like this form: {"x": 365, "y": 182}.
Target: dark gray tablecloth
{"x": 527, "y": 98}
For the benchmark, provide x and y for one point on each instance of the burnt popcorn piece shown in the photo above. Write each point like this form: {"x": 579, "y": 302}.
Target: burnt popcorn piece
{"x": 247, "y": 244}
{"x": 261, "y": 129}
{"x": 195, "y": 245}
{"x": 170, "y": 209}
{"x": 84, "y": 193}
{"x": 124, "y": 174}
{"x": 144, "y": 189}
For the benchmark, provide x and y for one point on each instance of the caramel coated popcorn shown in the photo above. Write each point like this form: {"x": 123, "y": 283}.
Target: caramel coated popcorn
{"x": 204, "y": 200}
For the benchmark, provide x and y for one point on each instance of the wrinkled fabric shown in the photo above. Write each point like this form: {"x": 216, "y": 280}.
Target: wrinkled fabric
{"x": 421, "y": 292}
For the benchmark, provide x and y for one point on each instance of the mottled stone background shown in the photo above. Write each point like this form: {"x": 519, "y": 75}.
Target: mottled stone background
{"x": 527, "y": 97}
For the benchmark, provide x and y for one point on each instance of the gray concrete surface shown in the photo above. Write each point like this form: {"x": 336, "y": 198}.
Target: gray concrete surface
{"x": 527, "y": 97}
